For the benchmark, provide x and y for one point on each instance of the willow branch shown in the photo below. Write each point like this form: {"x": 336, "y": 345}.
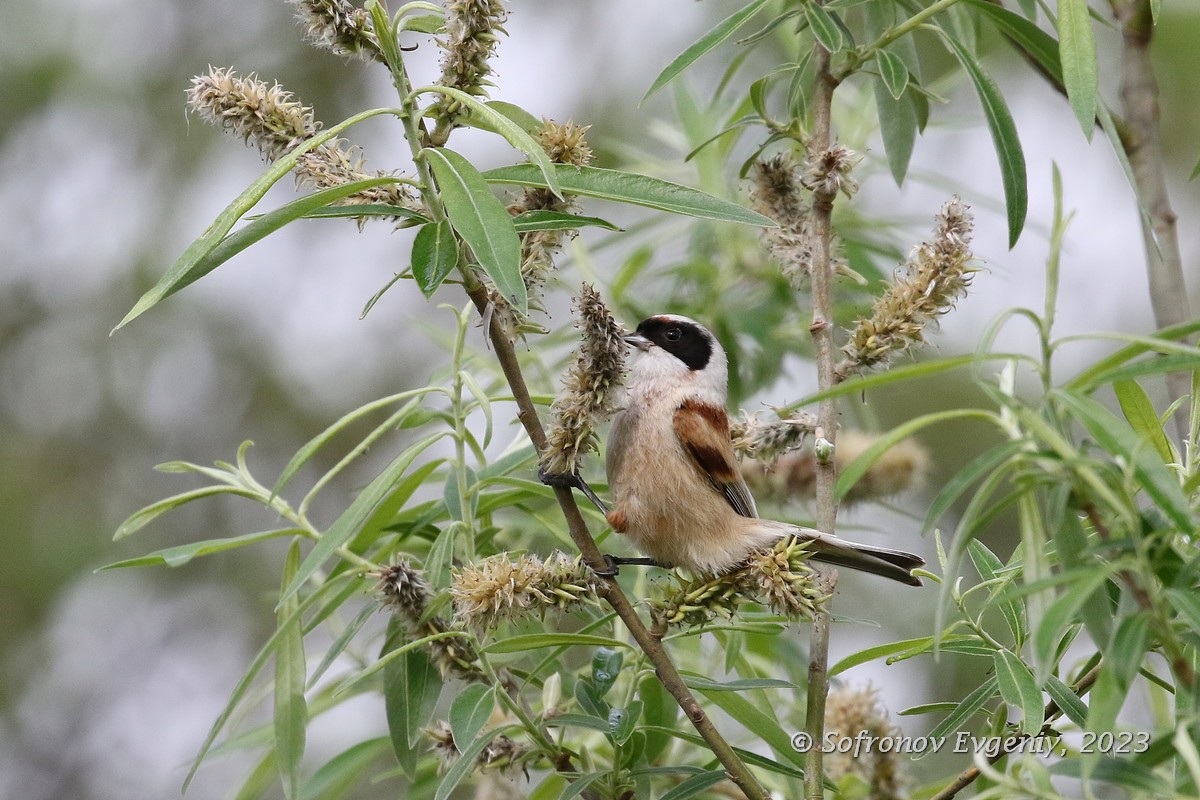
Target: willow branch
{"x": 670, "y": 678}
{"x": 826, "y": 476}
{"x": 1142, "y": 139}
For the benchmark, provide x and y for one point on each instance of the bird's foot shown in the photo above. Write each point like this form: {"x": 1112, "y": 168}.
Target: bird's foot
{"x": 572, "y": 480}
{"x": 613, "y": 564}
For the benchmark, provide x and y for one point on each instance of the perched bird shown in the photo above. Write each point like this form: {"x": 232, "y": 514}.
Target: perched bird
{"x": 678, "y": 493}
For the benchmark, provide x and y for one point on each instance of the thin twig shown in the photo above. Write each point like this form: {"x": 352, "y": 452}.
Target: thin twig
{"x": 1050, "y": 713}
{"x": 822, "y": 334}
{"x": 670, "y": 678}
{"x": 1142, "y": 140}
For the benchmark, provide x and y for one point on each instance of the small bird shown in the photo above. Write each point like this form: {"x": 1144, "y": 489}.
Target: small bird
{"x": 678, "y": 493}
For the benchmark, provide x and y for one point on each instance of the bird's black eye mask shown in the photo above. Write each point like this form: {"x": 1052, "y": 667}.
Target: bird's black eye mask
{"x": 683, "y": 340}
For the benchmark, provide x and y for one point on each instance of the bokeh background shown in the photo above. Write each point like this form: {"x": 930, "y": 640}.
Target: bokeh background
{"x": 109, "y": 681}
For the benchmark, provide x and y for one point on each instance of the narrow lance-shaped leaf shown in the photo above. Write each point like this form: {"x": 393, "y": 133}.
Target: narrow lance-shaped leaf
{"x": 1004, "y": 138}
{"x": 181, "y": 554}
{"x": 291, "y": 710}
{"x": 897, "y": 126}
{"x": 1139, "y": 412}
{"x": 1035, "y": 41}
{"x": 1077, "y": 49}
{"x": 723, "y": 30}
{"x": 1119, "y": 439}
{"x": 639, "y": 190}
{"x": 353, "y": 517}
{"x": 464, "y": 764}
{"x": 272, "y": 221}
{"x": 1018, "y": 688}
{"x": 225, "y": 221}
{"x": 482, "y": 221}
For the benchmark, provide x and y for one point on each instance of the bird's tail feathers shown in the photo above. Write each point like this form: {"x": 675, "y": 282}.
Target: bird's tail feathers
{"x": 882, "y": 561}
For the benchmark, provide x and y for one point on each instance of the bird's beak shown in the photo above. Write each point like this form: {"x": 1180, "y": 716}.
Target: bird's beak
{"x": 637, "y": 340}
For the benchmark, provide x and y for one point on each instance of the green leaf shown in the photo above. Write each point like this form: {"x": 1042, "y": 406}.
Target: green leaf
{"x": 893, "y": 72}
{"x": 623, "y": 721}
{"x": 352, "y": 519}
{"x": 1035, "y": 41}
{"x": 1004, "y": 138}
{"x": 1067, "y": 700}
{"x": 143, "y": 517}
{"x": 291, "y": 710}
{"x": 181, "y": 554}
{"x": 1119, "y": 440}
{"x": 606, "y": 666}
{"x": 1162, "y": 341}
{"x": 1120, "y": 772}
{"x": 724, "y": 29}
{"x": 434, "y": 256}
{"x": 340, "y": 644}
{"x": 313, "y": 445}
{"x": 660, "y": 710}
{"x": 536, "y": 641}
{"x": 490, "y": 118}
{"x": 1188, "y": 606}
{"x": 926, "y": 708}
{"x": 708, "y": 685}
{"x": 966, "y": 708}
{"x": 588, "y": 721}
{"x": 921, "y": 644}
{"x": 639, "y": 190}
{"x": 922, "y": 369}
{"x": 526, "y": 121}
{"x": 464, "y": 764}
{"x": 541, "y": 220}
{"x": 200, "y": 249}
{"x": 470, "y": 711}
{"x": 989, "y": 567}
{"x": 580, "y": 784}
{"x": 695, "y": 784}
{"x": 363, "y": 210}
{"x": 897, "y": 126}
{"x": 757, "y": 721}
{"x": 411, "y": 687}
{"x": 1018, "y": 688}
{"x": 966, "y": 477}
{"x": 1077, "y": 49}
{"x": 824, "y": 28}
{"x": 243, "y": 686}
{"x": 1060, "y": 615}
{"x": 1155, "y": 365}
{"x": 1122, "y": 659}
{"x": 1139, "y": 412}
{"x": 751, "y": 758}
{"x": 482, "y": 221}
{"x": 335, "y": 777}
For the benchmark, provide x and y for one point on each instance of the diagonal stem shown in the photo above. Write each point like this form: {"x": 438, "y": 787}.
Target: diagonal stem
{"x": 670, "y": 678}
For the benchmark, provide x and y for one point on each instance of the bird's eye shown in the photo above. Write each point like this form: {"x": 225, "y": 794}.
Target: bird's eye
{"x": 673, "y": 334}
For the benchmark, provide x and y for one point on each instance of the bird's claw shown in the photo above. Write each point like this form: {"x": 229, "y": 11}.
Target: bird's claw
{"x": 613, "y": 564}
{"x": 571, "y": 480}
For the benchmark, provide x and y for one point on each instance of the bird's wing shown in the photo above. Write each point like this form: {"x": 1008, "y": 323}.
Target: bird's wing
{"x": 703, "y": 432}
